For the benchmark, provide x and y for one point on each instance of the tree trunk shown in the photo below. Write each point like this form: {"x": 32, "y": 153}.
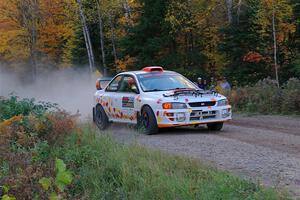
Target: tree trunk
{"x": 28, "y": 10}
{"x": 101, "y": 40}
{"x": 229, "y": 10}
{"x": 112, "y": 28}
{"x": 87, "y": 47}
{"x": 87, "y": 37}
{"x": 239, "y": 11}
{"x": 33, "y": 49}
{"x": 127, "y": 11}
{"x": 275, "y": 46}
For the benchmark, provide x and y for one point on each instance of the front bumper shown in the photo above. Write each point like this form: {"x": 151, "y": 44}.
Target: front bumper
{"x": 193, "y": 116}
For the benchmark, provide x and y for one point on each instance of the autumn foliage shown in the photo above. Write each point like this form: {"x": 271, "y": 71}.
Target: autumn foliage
{"x": 196, "y": 37}
{"x": 44, "y": 28}
{"x": 253, "y": 57}
{"x": 24, "y": 140}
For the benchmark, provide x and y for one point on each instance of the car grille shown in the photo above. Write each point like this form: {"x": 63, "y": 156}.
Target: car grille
{"x": 203, "y": 104}
{"x": 202, "y": 115}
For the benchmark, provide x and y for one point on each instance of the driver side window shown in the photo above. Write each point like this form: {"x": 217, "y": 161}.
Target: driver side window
{"x": 114, "y": 85}
{"x": 128, "y": 84}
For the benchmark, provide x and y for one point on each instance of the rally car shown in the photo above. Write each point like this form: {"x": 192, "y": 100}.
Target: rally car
{"x": 154, "y": 98}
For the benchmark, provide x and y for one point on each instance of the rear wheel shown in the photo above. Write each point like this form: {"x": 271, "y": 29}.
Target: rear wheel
{"x": 147, "y": 121}
{"x": 216, "y": 126}
{"x": 101, "y": 119}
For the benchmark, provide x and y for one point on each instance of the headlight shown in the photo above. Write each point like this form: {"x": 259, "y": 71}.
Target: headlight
{"x": 223, "y": 102}
{"x": 174, "y": 106}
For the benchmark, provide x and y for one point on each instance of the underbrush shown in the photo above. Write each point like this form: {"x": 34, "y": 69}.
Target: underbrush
{"x": 28, "y": 132}
{"x": 46, "y": 155}
{"x": 266, "y": 98}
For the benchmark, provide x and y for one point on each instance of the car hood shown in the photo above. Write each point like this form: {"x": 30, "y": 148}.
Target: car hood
{"x": 165, "y": 96}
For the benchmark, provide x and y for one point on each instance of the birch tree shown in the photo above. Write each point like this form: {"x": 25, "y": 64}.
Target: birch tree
{"x": 278, "y": 14}
{"x": 87, "y": 37}
{"x": 127, "y": 12}
{"x": 27, "y": 17}
{"x": 113, "y": 36}
{"x": 275, "y": 45}
{"x": 229, "y": 5}
{"x": 239, "y": 5}
{"x": 101, "y": 39}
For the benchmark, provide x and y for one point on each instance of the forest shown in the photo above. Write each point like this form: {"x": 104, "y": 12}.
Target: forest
{"x": 242, "y": 40}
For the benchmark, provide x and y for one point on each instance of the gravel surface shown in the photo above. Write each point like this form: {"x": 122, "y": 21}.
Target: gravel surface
{"x": 263, "y": 148}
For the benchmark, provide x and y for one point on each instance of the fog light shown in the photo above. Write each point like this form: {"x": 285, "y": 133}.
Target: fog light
{"x": 180, "y": 117}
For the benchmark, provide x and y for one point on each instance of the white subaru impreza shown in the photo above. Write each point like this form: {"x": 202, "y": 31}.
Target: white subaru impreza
{"x": 154, "y": 98}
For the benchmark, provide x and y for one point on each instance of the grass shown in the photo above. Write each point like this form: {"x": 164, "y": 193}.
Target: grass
{"x": 108, "y": 170}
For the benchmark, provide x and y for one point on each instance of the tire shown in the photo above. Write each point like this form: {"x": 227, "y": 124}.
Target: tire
{"x": 147, "y": 121}
{"x": 101, "y": 119}
{"x": 217, "y": 126}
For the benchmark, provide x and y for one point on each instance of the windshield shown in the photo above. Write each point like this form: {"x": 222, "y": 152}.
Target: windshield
{"x": 164, "y": 81}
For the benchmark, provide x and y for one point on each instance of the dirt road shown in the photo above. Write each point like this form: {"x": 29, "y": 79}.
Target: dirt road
{"x": 263, "y": 148}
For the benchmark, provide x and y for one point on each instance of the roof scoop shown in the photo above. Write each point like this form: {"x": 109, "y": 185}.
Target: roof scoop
{"x": 153, "y": 69}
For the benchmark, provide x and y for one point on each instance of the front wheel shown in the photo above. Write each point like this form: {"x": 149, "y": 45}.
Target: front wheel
{"x": 147, "y": 121}
{"x": 101, "y": 119}
{"x": 216, "y": 126}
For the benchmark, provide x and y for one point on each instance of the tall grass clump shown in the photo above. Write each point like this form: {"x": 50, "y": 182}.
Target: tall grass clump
{"x": 266, "y": 98}
{"x": 108, "y": 170}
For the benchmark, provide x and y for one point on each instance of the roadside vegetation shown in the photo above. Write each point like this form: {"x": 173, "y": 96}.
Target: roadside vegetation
{"x": 265, "y": 97}
{"x": 45, "y": 154}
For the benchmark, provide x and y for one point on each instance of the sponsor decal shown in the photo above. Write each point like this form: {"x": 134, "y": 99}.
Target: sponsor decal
{"x": 128, "y": 102}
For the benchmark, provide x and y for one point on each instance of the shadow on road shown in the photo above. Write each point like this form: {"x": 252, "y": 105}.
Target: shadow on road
{"x": 188, "y": 130}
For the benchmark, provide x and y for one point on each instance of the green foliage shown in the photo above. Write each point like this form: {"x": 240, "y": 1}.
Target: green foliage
{"x": 13, "y": 106}
{"x": 45, "y": 183}
{"x": 150, "y": 36}
{"x": 54, "y": 196}
{"x": 63, "y": 176}
{"x": 40, "y": 151}
{"x": 107, "y": 170}
{"x": 60, "y": 166}
{"x": 7, "y": 197}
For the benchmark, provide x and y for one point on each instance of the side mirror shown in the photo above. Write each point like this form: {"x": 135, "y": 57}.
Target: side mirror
{"x": 134, "y": 89}
{"x": 98, "y": 85}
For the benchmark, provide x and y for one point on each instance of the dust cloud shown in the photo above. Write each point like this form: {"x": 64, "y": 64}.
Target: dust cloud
{"x": 72, "y": 89}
